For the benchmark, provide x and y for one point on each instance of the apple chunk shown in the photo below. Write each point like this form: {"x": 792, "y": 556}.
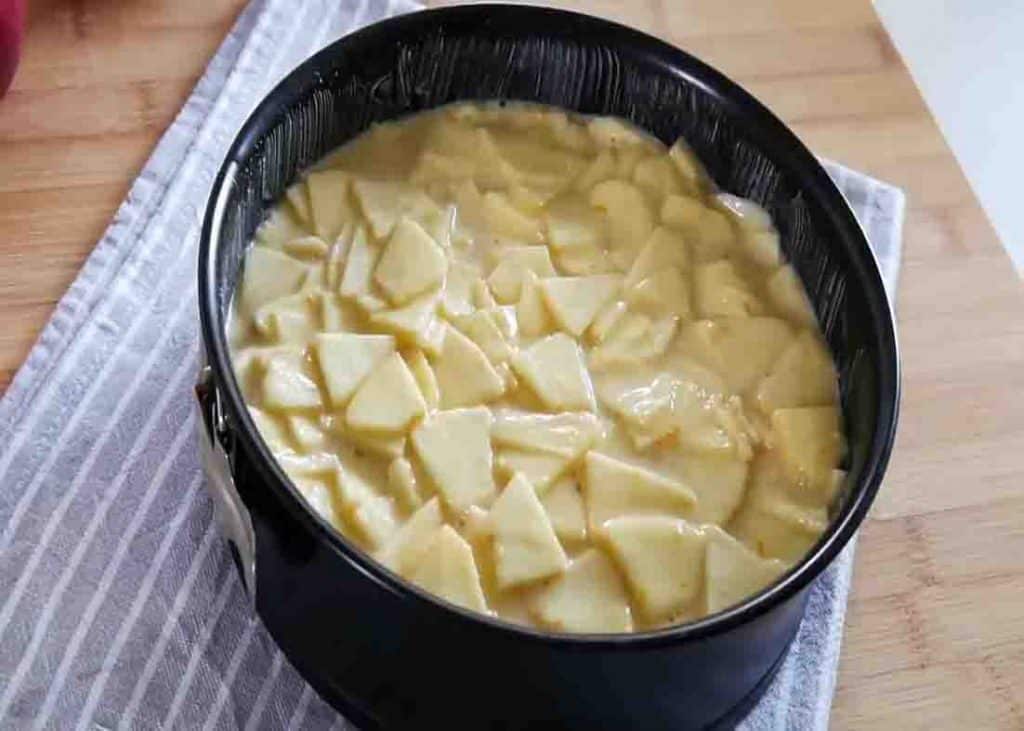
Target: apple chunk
{"x": 588, "y": 597}
{"x": 663, "y": 560}
{"x": 448, "y": 569}
{"x": 613, "y": 488}
{"x": 455, "y": 450}
{"x": 411, "y": 263}
{"x": 388, "y": 400}
{"x": 525, "y": 546}
{"x": 345, "y": 359}
{"x": 554, "y": 370}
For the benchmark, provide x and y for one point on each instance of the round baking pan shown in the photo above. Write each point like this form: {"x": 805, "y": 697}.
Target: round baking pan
{"x": 387, "y": 654}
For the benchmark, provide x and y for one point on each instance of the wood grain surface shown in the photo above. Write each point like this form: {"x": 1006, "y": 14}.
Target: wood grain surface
{"x": 935, "y": 628}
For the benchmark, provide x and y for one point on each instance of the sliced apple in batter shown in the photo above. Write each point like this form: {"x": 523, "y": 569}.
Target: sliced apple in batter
{"x": 370, "y": 513}
{"x": 447, "y": 569}
{"x": 406, "y": 548}
{"x": 804, "y": 375}
{"x": 465, "y": 376}
{"x": 525, "y": 546}
{"x": 613, "y": 489}
{"x": 809, "y": 441}
{"x": 288, "y": 384}
{"x": 357, "y": 279}
{"x": 388, "y": 399}
{"x": 575, "y": 301}
{"x": 345, "y": 359}
{"x": 539, "y": 468}
{"x": 740, "y": 349}
{"x": 563, "y": 502}
{"x": 425, "y": 379}
{"x": 662, "y": 559}
{"x": 532, "y": 313}
{"x": 412, "y": 263}
{"x": 506, "y": 278}
{"x": 329, "y": 203}
{"x": 553, "y": 368}
{"x": 269, "y": 275}
{"x": 733, "y": 572}
{"x": 455, "y": 450}
{"x": 566, "y": 435}
{"x": 719, "y": 291}
{"x": 589, "y": 597}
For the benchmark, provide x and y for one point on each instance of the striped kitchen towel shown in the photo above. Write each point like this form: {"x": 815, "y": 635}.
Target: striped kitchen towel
{"x": 119, "y": 604}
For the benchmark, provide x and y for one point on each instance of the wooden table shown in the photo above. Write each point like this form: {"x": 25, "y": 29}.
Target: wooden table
{"x": 935, "y": 629}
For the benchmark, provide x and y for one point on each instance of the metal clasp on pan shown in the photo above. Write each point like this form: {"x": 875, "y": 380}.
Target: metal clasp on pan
{"x": 215, "y": 440}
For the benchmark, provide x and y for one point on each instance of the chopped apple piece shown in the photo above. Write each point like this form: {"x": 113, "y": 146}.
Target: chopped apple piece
{"x": 357, "y": 280}
{"x": 425, "y": 378}
{"x": 464, "y": 375}
{"x": 411, "y": 263}
{"x": 531, "y": 313}
{"x": 575, "y": 301}
{"x": 564, "y": 505}
{"x": 281, "y": 226}
{"x": 345, "y": 359}
{"x": 664, "y": 248}
{"x": 809, "y": 441}
{"x": 629, "y": 216}
{"x": 458, "y": 289}
{"x": 567, "y": 435}
{"x": 715, "y": 236}
{"x": 719, "y": 481}
{"x": 506, "y": 221}
{"x": 740, "y": 349}
{"x": 380, "y": 444}
{"x": 788, "y": 295}
{"x": 297, "y": 196}
{"x": 573, "y": 224}
{"x": 525, "y": 546}
{"x": 385, "y": 202}
{"x": 688, "y": 165}
{"x": 774, "y": 524}
{"x": 306, "y": 247}
{"x": 455, "y": 449}
{"x": 338, "y": 315}
{"x": 371, "y": 514}
{"x": 388, "y": 399}
{"x": 607, "y": 318}
{"x": 804, "y": 375}
{"x": 298, "y": 466}
{"x": 406, "y": 548}
{"x": 733, "y": 572}
{"x": 482, "y": 328}
{"x": 719, "y": 291}
{"x": 662, "y": 559}
{"x": 287, "y": 383}
{"x": 415, "y": 322}
{"x": 319, "y": 493}
{"x": 290, "y": 319}
{"x": 447, "y": 569}
{"x": 269, "y": 275}
{"x": 657, "y": 176}
{"x": 683, "y": 214}
{"x": 601, "y": 168}
{"x": 554, "y": 370}
{"x": 329, "y": 202}
{"x": 613, "y": 488}
{"x": 337, "y": 254}
{"x": 588, "y": 597}
{"x": 506, "y": 279}
{"x": 539, "y": 468}
{"x": 270, "y": 429}
{"x": 307, "y": 433}
{"x": 402, "y": 483}
{"x": 633, "y": 340}
{"x": 662, "y": 294}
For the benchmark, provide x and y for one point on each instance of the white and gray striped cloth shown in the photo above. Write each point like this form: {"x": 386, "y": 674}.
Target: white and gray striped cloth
{"x": 119, "y": 604}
